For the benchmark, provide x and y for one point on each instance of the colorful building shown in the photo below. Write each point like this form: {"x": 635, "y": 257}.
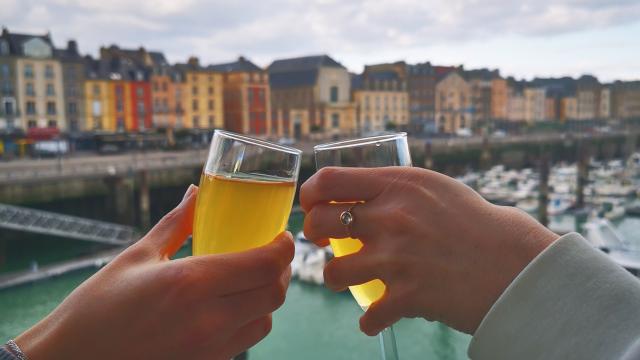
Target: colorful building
{"x": 588, "y": 90}
{"x": 382, "y": 102}
{"x": 481, "y": 83}
{"x": 625, "y": 99}
{"x": 453, "y": 103}
{"x": 534, "y": 104}
{"x": 32, "y": 80}
{"x": 247, "y": 105}
{"x": 202, "y": 97}
{"x": 311, "y": 95}
{"x": 499, "y": 98}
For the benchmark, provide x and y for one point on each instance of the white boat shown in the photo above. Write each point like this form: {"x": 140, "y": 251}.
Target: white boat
{"x": 559, "y": 204}
{"x": 529, "y": 205}
{"x": 312, "y": 269}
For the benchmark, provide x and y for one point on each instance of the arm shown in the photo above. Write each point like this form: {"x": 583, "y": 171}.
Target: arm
{"x": 446, "y": 254}
{"x": 144, "y": 306}
{"x": 570, "y": 302}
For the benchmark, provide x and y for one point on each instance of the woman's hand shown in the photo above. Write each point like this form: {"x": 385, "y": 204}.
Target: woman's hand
{"x": 143, "y": 306}
{"x": 443, "y": 252}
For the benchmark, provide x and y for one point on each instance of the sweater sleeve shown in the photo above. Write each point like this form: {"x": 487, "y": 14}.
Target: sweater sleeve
{"x": 570, "y": 302}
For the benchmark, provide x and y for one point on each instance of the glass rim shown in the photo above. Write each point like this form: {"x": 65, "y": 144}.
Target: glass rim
{"x": 258, "y": 142}
{"x": 359, "y": 142}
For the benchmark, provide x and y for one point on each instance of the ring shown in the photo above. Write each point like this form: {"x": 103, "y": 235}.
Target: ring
{"x": 347, "y": 218}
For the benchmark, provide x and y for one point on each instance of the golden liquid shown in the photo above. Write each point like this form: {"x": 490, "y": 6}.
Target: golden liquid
{"x": 237, "y": 214}
{"x": 366, "y": 293}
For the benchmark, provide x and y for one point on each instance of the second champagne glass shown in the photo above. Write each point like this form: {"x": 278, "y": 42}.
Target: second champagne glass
{"x": 377, "y": 151}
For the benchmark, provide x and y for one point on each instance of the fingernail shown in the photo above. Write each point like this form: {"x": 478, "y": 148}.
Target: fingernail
{"x": 188, "y": 193}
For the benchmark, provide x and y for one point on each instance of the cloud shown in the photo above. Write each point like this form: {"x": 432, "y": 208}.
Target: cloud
{"x": 219, "y": 30}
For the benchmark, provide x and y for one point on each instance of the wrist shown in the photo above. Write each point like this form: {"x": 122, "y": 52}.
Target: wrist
{"x": 40, "y": 341}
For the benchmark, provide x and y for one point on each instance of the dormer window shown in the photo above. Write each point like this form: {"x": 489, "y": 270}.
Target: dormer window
{"x": 37, "y": 48}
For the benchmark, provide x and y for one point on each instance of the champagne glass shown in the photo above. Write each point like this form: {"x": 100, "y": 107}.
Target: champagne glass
{"x": 376, "y": 151}
{"x": 246, "y": 192}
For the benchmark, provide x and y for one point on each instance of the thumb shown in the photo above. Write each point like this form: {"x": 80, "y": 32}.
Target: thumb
{"x": 166, "y": 237}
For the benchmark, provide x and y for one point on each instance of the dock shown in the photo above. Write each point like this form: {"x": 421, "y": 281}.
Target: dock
{"x": 26, "y": 277}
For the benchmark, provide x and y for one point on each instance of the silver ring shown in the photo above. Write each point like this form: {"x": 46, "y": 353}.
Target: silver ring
{"x": 347, "y": 218}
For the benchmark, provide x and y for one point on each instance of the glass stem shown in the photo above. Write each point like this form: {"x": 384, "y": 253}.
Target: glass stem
{"x": 388, "y": 344}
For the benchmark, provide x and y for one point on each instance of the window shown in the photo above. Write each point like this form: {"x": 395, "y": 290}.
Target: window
{"x": 139, "y": 91}
{"x": 366, "y": 101}
{"x": 4, "y": 47}
{"x": 250, "y": 96}
{"x": 196, "y": 121}
{"x": 120, "y": 123}
{"x": 48, "y": 72}
{"x": 194, "y": 105}
{"x": 50, "y": 90}
{"x": 211, "y": 121}
{"x": 210, "y": 90}
{"x": 51, "y": 108}
{"x": 28, "y": 71}
{"x": 73, "y": 108}
{"x": 97, "y": 123}
{"x": 140, "y": 108}
{"x": 31, "y": 124}
{"x": 335, "y": 120}
{"x": 194, "y": 90}
{"x": 210, "y": 104}
{"x": 52, "y": 123}
{"x": 5, "y": 71}
{"x": 164, "y": 86}
{"x": 96, "y": 90}
{"x": 31, "y": 108}
{"x": 30, "y": 90}
{"x": 261, "y": 96}
{"x": 334, "y": 94}
{"x": 6, "y": 88}
{"x": 119, "y": 105}
{"x": 8, "y": 107}
{"x": 96, "y": 108}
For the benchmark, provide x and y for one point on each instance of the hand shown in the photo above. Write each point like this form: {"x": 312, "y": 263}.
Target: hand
{"x": 144, "y": 306}
{"x": 443, "y": 252}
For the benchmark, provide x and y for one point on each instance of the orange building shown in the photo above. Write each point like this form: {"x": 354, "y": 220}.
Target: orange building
{"x": 499, "y": 98}
{"x": 247, "y": 108}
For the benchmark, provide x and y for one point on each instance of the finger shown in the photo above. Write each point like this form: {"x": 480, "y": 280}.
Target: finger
{"x": 235, "y": 272}
{"x": 343, "y": 184}
{"x": 381, "y": 314}
{"x": 349, "y": 270}
{"x": 166, "y": 237}
{"x": 244, "y": 338}
{"x": 252, "y": 304}
{"x": 323, "y": 222}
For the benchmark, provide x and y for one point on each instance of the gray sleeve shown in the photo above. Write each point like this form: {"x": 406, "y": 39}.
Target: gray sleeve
{"x": 570, "y": 302}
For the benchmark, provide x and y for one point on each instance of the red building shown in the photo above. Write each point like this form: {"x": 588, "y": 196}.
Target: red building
{"x": 141, "y": 112}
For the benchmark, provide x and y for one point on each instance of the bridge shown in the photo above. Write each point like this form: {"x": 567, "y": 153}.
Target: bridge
{"x": 73, "y": 227}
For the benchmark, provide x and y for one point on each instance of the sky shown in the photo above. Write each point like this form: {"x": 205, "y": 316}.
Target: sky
{"x": 521, "y": 38}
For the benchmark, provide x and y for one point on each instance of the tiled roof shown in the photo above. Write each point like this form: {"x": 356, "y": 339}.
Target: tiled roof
{"x": 241, "y": 65}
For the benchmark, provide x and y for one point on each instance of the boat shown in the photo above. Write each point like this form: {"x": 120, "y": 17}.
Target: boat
{"x": 528, "y": 205}
{"x": 560, "y": 204}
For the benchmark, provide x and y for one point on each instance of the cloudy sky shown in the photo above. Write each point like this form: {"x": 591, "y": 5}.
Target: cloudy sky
{"x": 522, "y": 38}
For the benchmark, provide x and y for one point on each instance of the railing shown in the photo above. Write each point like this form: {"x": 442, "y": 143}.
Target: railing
{"x": 73, "y": 227}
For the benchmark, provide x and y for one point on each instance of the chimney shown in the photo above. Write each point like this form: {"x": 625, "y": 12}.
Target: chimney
{"x": 104, "y": 52}
{"x": 72, "y": 47}
{"x": 193, "y": 61}
{"x": 5, "y": 31}
{"x": 241, "y": 59}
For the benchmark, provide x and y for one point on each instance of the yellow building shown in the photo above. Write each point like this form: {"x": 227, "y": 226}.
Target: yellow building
{"x": 379, "y": 110}
{"x": 99, "y": 105}
{"x": 203, "y": 96}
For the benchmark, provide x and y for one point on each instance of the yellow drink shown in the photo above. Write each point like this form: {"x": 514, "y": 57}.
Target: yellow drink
{"x": 368, "y": 292}
{"x": 237, "y": 214}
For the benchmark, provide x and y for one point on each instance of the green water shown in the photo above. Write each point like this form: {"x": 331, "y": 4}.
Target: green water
{"x": 314, "y": 323}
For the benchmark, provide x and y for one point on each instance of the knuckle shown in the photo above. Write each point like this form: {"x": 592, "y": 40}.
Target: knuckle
{"x": 324, "y": 178}
{"x": 270, "y": 266}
